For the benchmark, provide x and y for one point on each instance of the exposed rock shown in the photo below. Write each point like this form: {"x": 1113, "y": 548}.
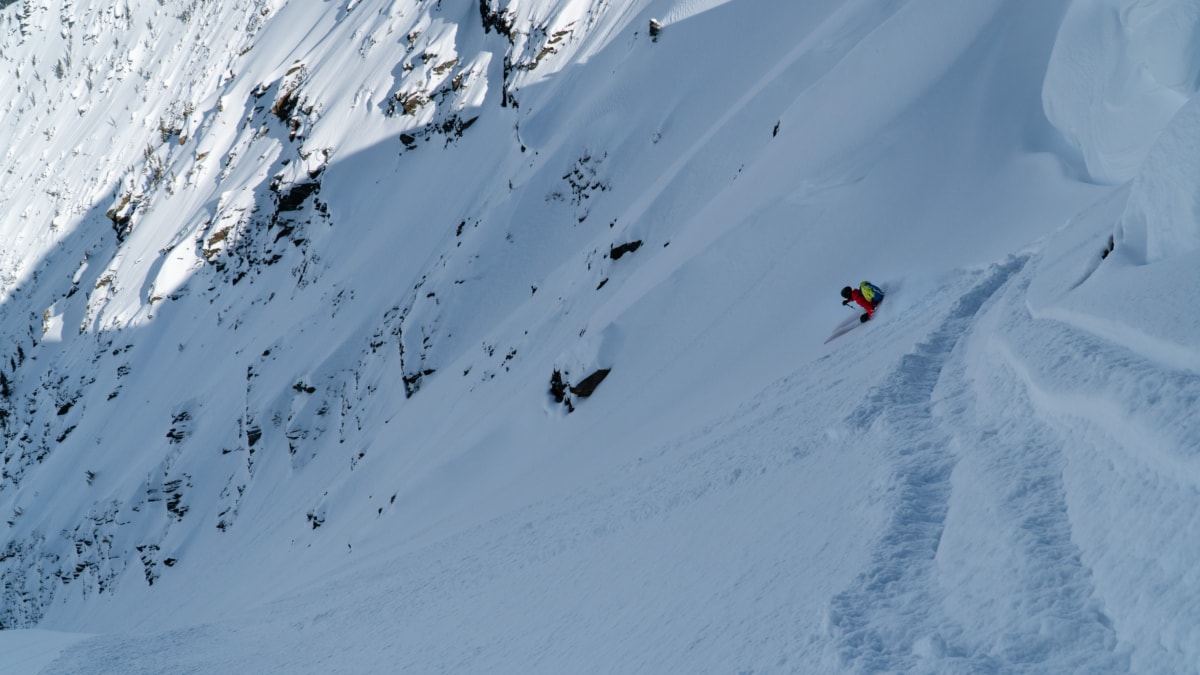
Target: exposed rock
{"x": 615, "y": 252}
{"x": 588, "y": 384}
{"x": 564, "y": 392}
{"x": 496, "y": 19}
{"x": 558, "y": 388}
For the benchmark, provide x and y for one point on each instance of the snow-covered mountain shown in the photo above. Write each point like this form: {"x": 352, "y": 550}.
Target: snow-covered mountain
{"x": 456, "y": 336}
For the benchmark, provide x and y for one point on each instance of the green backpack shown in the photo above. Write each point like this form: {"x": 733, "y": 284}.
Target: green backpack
{"x": 871, "y": 292}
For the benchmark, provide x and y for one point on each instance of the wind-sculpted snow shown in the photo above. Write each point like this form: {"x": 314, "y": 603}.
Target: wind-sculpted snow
{"x": 1162, "y": 218}
{"x": 1120, "y": 71}
{"x": 1130, "y": 468}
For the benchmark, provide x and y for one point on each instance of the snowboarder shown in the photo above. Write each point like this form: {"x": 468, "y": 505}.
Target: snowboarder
{"x": 867, "y": 295}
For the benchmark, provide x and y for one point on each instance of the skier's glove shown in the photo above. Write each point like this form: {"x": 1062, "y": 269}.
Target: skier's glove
{"x": 845, "y": 302}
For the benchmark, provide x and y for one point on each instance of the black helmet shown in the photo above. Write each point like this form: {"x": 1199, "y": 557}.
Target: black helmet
{"x": 846, "y": 292}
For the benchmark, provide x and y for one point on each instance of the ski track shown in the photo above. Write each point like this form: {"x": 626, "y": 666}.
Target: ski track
{"x": 898, "y": 582}
{"x": 909, "y": 610}
{"x": 1047, "y": 616}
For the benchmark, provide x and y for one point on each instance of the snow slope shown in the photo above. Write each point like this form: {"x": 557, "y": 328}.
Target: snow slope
{"x": 288, "y": 284}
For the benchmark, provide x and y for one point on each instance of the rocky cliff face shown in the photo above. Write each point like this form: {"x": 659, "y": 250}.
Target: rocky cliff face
{"x": 240, "y": 232}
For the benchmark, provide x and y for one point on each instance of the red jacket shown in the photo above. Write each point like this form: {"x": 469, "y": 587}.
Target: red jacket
{"x": 857, "y": 296}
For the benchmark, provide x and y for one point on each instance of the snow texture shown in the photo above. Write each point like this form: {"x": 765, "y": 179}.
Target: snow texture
{"x": 494, "y": 336}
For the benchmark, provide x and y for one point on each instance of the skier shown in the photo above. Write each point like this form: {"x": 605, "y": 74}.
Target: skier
{"x": 867, "y": 295}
